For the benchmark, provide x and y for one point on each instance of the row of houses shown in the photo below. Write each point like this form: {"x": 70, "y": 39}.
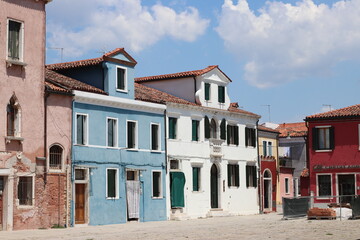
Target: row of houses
{"x": 86, "y": 142}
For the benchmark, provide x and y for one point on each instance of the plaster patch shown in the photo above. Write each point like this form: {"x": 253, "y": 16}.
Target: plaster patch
{"x": 26, "y": 215}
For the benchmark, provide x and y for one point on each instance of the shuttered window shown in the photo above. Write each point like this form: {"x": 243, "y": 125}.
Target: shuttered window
{"x": 251, "y": 178}
{"x": 131, "y": 134}
{"x": 112, "y": 132}
{"x": 196, "y": 178}
{"x": 14, "y": 40}
{"x": 250, "y": 137}
{"x": 121, "y": 78}
{"x": 81, "y": 129}
{"x": 221, "y": 94}
{"x": 232, "y": 135}
{"x": 195, "y": 130}
{"x": 269, "y": 149}
{"x": 172, "y": 128}
{"x": 207, "y": 91}
{"x": 155, "y": 137}
{"x": 156, "y": 184}
{"x": 323, "y": 138}
{"x": 111, "y": 183}
{"x": 207, "y": 127}
{"x": 233, "y": 175}
{"x": 223, "y": 129}
{"x": 264, "y": 148}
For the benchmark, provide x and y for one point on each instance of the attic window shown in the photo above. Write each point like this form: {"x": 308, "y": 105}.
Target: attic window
{"x": 121, "y": 79}
{"x": 221, "y": 94}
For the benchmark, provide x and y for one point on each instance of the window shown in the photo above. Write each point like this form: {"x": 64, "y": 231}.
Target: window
{"x": 81, "y": 129}
{"x": 111, "y": 132}
{"x": 13, "y": 117}
{"x": 131, "y": 134}
{"x": 112, "y": 183}
{"x": 221, "y": 94}
{"x": 172, "y": 128}
{"x": 156, "y": 187}
{"x": 155, "y": 137}
{"x": 174, "y": 164}
{"x": 270, "y": 149}
{"x": 25, "y": 191}
{"x": 196, "y": 179}
{"x": 251, "y": 179}
{"x": 15, "y": 40}
{"x": 195, "y": 130}
{"x": 264, "y": 148}
{"x": 55, "y": 157}
{"x": 250, "y": 137}
{"x": 324, "y": 185}
{"x": 121, "y": 79}
{"x": 213, "y": 129}
{"x": 287, "y": 187}
{"x": 81, "y": 174}
{"x": 233, "y": 175}
{"x": 232, "y": 135}
{"x": 207, "y": 91}
{"x": 207, "y": 127}
{"x": 223, "y": 129}
{"x": 323, "y": 138}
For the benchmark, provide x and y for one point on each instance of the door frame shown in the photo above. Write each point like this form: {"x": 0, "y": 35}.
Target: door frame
{"x": 8, "y": 199}
{"x": 337, "y": 182}
{"x": 137, "y": 173}
{"x": 269, "y": 179}
{"x": 217, "y": 185}
{"x": 86, "y": 192}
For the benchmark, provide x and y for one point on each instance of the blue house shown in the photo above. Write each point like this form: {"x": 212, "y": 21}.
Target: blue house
{"x": 118, "y": 151}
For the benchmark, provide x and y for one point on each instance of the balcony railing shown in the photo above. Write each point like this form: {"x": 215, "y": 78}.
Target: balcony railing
{"x": 215, "y": 147}
{"x": 285, "y": 162}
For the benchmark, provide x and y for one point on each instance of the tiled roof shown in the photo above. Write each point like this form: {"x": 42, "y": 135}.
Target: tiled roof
{"x": 93, "y": 61}
{"x": 59, "y": 82}
{"x": 352, "y": 111}
{"x": 298, "y": 129}
{"x": 55, "y": 88}
{"x": 193, "y": 73}
{"x": 149, "y": 94}
{"x": 238, "y": 110}
{"x": 263, "y": 128}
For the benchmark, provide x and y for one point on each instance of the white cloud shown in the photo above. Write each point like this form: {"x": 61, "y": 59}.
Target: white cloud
{"x": 118, "y": 23}
{"x": 285, "y": 42}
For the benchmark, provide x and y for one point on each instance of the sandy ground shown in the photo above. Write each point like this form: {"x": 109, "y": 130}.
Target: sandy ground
{"x": 267, "y": 226}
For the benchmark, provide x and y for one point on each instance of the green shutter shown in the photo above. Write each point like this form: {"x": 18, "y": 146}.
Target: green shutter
{"x": 207, "y": 127}
{"x": 237, "y": 177}
{"x": 195, "y": 125}
{"x": 110, "y": 133}
{"x": 172, "y": 128}
{"x": 121, "y": 78}
{"x": 131, "y": 135}
{"x": 332, "y": 139}
{"x": 177, "y": 183}
{"x": 236, "y": 135}
{"x": 221, "y": 94}
{"x": 111, "y": 183}
{"x": 248, "y": 176}
{"x": 195, "y": 179}
{"x": 229, "y": 174}
{"x": 315, "y": 138}
{"x": 207, "y": 91}
{"x": 228, "y": 134}
{"x": 254, "y": 173}
{"x": 223, "y": 129}
{"x": 253, "y": 137}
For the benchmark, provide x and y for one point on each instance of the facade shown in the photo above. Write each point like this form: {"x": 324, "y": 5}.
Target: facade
{"x": 118, "y": 151}
{"x": 334, "y": 144}
{"x": 211, "y": 144}
{"x": 268, "y": 154}
{"x": 28, "y": 188}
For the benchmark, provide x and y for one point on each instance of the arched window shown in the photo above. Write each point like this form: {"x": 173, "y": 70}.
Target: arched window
{"x": 267, "y": 174}
{"x": 55, "y": 157}
{"x": 13, "y": 117}
{"x": 213, "y": 129}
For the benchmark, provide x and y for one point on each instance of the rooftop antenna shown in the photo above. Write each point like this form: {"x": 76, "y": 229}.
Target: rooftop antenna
{"x": 103, "y": 50}
{"x": 61, "y": 52}
{"x": 268, "y": 105}
{"x": 328, "y": 105}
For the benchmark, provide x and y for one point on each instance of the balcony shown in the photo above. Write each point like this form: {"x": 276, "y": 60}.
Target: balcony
{"x": 285, "y": 162}
{"x": 215, "y": 147}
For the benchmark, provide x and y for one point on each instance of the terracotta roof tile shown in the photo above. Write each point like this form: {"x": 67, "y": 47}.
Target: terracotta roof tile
{"x": 193, "y": 73}
{"x": 148, "y": 94}
{"x": 298, "y": 129}
{"x": 238, "y": 110}
{"x": 263, "y": 128}
{"x": 352, "y": 111}
{"x": 93, "y": 61}
{"x": 52, "y": 87}
{"x": 56, "y": 79}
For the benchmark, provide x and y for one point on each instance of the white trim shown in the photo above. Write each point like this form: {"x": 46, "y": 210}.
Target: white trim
{"x": 115, "y": 133}
{"x": 345, "y": 173}
{"x": 317, "y": 185}
{"x": 62, "y": 159}
{"x": 158, "y": 137}
{"x": 152, "y": 185}
{"x": 117, "y": 102}
{"x": 125, "y": 80}
{"x": 116, "y": 184}
{"x": 327, "y": 126}
{"x": 21, "y": 43}
{"x": 199, "y": 166}
{"x": 136, "y": 135}
{"x": 86, "y": 131}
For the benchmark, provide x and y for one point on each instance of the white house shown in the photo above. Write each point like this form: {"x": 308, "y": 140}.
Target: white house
{"x": 211, "y": 144}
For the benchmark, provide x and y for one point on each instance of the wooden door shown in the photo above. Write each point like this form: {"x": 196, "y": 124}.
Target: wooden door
{"x": 80, "y": 203}
{"x": 214, "y": 187}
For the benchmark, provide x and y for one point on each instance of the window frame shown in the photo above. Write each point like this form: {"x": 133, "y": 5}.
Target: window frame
{"x": 318, "y": 188}
{"x": 233, "y": 171}
{"x": 85, "y": 131}
{"x": 135, "y": 135}
{"x": 251, "y": 176}
{"x": 232, "y": 135}
{"x": 250, "y": 137}
{"x": 26, "y": 175}
{"x": 160, "y": 184}
{"x": 207, "y": 91}
{"x": 221, "y": 94}
{"x": 287, "y": 185}
{"x": 198, "y": 178}
{"x": 328, "y": 138}
{"x": 116, "y": 183}
{"x": 125, "y": 79}
{"x": 197, "y": 133}
{"x": 62, "y": 159}
{"x": 115, "y": 132}
{"x": 173, "y": 136}
{"x": 158, "y": 137}
{"x": 21, "y": 41}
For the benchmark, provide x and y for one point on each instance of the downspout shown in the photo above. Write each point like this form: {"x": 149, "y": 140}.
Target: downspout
{"x": 259, "y": 169}
{"x": 72, "y": 215}
{"x": 307, "y": 163}
{"x": 46, "y": 95}
{"x": 167, "y": 175}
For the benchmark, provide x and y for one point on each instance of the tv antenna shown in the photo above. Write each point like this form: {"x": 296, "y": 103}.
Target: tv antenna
{"x": 268, "y": 105}
{"x": 61, "y": 52}
{"x": 327, "y": 105}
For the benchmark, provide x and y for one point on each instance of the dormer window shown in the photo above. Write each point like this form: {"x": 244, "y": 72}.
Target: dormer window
{"x": 121, "y": 79}
{"x": 221, "y": 94}
{"x": 15, "y": 40}
{"x": 207, "y": 91}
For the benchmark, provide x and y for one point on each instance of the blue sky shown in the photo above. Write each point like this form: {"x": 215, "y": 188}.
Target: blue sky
{"x": 292, "y": 55}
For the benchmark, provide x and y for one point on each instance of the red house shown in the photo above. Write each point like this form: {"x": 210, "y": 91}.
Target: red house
{"x": 334, "y": 153}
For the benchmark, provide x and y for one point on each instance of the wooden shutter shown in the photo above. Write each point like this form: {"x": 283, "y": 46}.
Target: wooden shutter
{"x": 237, "y": 177}
{"x": 221, "y": 94}
{"x": 229, "y": 174}
{"x": 247, "y": 176}
{"x": 228, "y": 134}
{"x": 172, "y": 128}
{"x": 315, "y": 138}
{"x": 253, "y": 137}
{"x": 332, "y": 137}
{"x": 121, "y": 78}
{"x": 207, "y": 91}
{"x": 254, "y": 176}
{"x": 130, "y": 132}
{"x": 247, "y": 136}
{"x": 223, "y": 130}
{"x": 236, "y": 135}
{"x": 195, "y": 179}
{"x": 195, "y": 125}
{"x": 207, "y": 127}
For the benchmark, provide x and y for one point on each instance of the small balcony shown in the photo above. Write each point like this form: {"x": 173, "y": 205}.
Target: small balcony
{"x": 215, "y": 147}
{"x": 285, "y": 162}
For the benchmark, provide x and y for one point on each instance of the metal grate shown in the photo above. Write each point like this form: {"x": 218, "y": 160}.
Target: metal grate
{"x": 25, "y": 191}
{"x": 55, "y": 157}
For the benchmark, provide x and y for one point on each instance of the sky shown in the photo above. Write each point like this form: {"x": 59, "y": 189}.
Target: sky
{"x": 296, "y": 58}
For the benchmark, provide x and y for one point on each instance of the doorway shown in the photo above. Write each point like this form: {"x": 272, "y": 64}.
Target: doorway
{"x": 80, "y": 203}
{"x": 346, "y": 186}
{"x": 214, "y": 191}
{"x": 267, "y": 190}
{"x": 133, "y": 190}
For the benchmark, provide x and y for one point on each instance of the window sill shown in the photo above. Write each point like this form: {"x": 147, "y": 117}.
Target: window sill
{"x": 12, "y": 138}
{"x": 323, "y": 198}
{"x": 81, "y": 145}
{"x": 159, "y": 198}
{"x": 122, "y": 91}
{"x": 25, "y": 206}
{"x": 132, "y": 149}
{"x": 200, "y": 191}
{"x": 324, "y": 150}
{"x": 112, "y": 198}
{"x": 115, "y": 147}
{"x": 234, "y": 187}
{"x": 10, "y": 62}
{"x": 155, "y": 151}
{"x": 55, "y": 172}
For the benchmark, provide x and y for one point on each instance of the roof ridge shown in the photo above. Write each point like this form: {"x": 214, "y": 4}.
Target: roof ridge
{"x": 353, "y": 110}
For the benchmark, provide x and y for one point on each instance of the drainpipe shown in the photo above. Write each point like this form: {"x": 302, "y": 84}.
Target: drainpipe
{"x": 259, "y": 170}
{"x": 46, "y": 95}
